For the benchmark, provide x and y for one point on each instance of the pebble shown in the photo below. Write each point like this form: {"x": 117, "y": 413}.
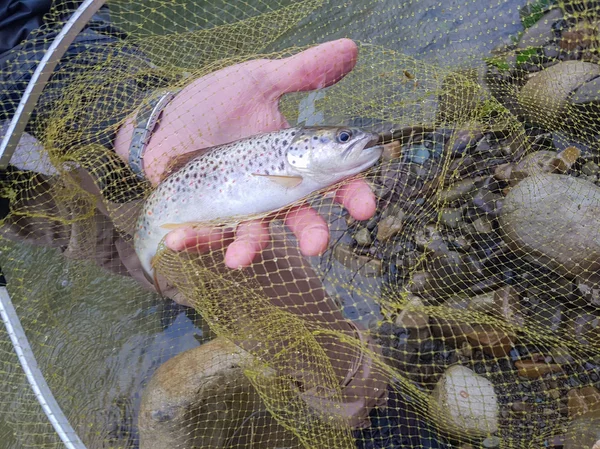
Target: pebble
{"x": 390, "y": 226}
{"x": 363, "y": 237}
{"x": 363, "y": 265}
{"x": 488, "y": 202}
{"x": 583, "y": 400}
{"x": 461, "y": 242}
{"x": 451, "y": 217}
{"x": 483, "y": 225}
{"x": 586, "y": 93}
{"x": 457, "y": 190}
{"x": 462, "y": 140}
{"x": 419, "y": 155}
{"x": 551, "y": 51}
{"x": 464, "y": 403}
{"x": 521, "y": 407}
{"x": 491, "y": 442}
{"x": 412, "y": 316}
{"x": 590, "y": 168}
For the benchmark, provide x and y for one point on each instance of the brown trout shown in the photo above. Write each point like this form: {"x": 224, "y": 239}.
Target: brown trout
{"x": 258, "y": 174}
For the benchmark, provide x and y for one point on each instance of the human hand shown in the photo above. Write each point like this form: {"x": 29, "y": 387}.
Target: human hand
{"x": 237, "y": 102}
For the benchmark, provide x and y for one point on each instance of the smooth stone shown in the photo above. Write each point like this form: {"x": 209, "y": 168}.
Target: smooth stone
{"x": 463, "y": 402}
{"x": 183, "y": 392}
{"x": 412, "y": 315}
{"x": 555, "y": 219}
{"x": 545, "y": 96}
{"x": 363, "y": 265}
{"x": 462, "y": 140}
{"x": 541, "y": 32}
{"x": 488, "y": 202}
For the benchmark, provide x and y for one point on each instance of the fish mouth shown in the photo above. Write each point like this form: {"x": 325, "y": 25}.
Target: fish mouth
{"x": 367, "y": 150}
{"x": 367, "y": 142}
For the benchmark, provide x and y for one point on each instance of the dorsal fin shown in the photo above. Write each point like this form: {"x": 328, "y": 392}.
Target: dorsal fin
{"x": 177, "y": 162}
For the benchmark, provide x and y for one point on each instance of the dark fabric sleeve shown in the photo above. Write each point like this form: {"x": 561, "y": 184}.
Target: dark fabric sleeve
{"x": 18, "y": 18}
{"x": 99, "y": 44}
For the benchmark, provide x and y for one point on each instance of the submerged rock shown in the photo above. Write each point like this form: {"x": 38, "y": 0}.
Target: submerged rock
{"x": 205, "y": 389}
{"x": 556, "y": 219}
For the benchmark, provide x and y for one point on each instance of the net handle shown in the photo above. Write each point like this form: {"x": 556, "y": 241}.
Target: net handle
{"x": 9, "y": 143}
{"x": 42, "y": 74}
{"x": 35, "y": 377}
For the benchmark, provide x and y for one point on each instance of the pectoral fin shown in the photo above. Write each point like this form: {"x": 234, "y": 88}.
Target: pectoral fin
{"x": 154, "y": 279}
{"x": 285, "y": 181}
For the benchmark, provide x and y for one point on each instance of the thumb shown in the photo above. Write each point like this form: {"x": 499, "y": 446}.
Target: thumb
{"x": 314, "y": 68}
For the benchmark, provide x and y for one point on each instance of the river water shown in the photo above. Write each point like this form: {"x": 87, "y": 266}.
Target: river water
{"x": 99, "y": 337}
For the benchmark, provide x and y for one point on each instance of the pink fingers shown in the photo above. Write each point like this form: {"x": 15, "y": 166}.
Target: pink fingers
{"x": 310, "y": 229}
{"x": 251, "y": 238}
{"x": 357, "y": 198}
{"x": 200, "y": 240}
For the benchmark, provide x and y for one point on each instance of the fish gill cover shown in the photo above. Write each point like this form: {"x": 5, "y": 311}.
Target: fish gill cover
{"x": 464, "y": 312}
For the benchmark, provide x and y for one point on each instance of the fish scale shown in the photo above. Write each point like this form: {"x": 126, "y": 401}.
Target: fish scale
{"x": 251, "y": 176}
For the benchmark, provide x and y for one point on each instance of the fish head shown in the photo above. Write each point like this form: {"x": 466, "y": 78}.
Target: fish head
{"x": 329, "y": 154}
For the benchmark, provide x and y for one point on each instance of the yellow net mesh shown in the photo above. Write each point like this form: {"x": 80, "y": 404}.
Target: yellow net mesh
{"x": 465, "y": 312}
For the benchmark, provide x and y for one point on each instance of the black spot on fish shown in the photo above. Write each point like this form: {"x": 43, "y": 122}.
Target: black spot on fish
{"x": 293, "y": 133}
{"x": 282, "y": 165}
{"x": 267, "y": 172}
{"x": 215, "y": 178}
{"x": 315, "y": 138}
{"x": 195, "y": 175}
{"x": 187, "y": 175}
{"x": 285, "y": 142}
{"x": 276, "y": 139}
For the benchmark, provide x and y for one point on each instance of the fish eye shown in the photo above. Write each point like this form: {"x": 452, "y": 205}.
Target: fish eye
{"x": 344, "y": 136}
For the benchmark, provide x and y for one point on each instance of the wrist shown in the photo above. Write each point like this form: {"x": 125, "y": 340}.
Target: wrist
{"x": 134, "y": 137}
